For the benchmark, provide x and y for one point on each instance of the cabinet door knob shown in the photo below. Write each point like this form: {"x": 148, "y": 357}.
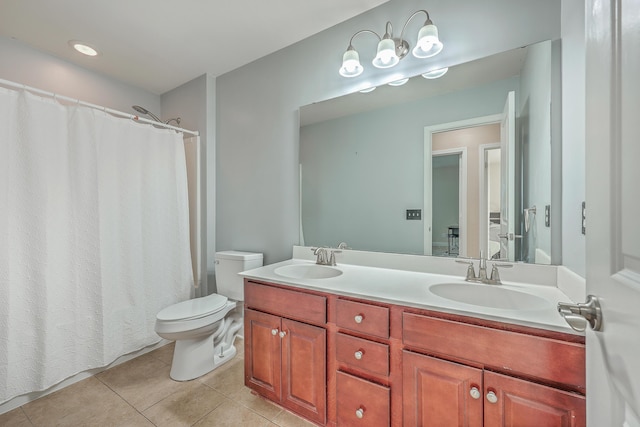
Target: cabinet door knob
{"x": 360, "y": 412}
{"x": 358, "y": 318}
{"x": 474, "y": 392}
{"x": 358, "y": 354}
{"x": 282, "y": 334}
{"x": 491, "y": 397}
{"x": 274, "y": 331}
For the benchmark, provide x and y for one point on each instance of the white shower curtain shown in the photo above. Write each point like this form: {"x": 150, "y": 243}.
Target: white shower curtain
{"x": 94, "y": 238}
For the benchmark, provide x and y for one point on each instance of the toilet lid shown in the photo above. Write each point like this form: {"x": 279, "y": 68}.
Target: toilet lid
{"x": 193, "y": 308}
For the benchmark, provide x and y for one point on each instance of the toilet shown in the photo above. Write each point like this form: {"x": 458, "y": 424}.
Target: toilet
{"x": 204, "y": 328}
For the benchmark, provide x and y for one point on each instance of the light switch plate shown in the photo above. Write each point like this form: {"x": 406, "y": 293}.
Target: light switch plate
{"x": 414, "y": 214}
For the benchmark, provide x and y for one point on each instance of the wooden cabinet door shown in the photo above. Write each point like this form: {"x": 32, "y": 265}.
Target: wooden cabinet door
{"x": 262, "y": 358}
{"x": 304, "y": 367}
{"x": 440, "y": 393}
{"x": 522, "y": 403}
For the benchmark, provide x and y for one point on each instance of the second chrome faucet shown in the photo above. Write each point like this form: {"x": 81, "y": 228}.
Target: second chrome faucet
{"x": 324, "y": 257}
{"x": 494, "y": 279}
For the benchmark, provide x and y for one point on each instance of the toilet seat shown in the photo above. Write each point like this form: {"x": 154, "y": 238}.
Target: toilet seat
{"x": 193, "y": 309}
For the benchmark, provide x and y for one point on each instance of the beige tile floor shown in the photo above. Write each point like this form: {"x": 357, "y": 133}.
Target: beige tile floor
{"x": 140, "y": 393}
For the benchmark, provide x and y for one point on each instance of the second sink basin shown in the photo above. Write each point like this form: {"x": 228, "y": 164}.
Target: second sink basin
{"x": 489, "y": 296}
{"x": 307, "y": 271}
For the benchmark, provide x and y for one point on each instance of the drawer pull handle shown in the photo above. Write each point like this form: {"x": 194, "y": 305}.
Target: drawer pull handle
{"x": 491, "y": 397}
{"x": 358, "y": 318}
{"x": 274, "y": 331}
{"x": 282, "y": 334}
{"x": 358, "y": 354}
{"x": 474, "y": 392}
{"x": 360, "y": 412}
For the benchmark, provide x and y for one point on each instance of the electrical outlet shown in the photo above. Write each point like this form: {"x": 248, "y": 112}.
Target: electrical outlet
{"x": 547, "y": 216}
{"x": 584, "y": 218}
{"x": 414, "y": 214}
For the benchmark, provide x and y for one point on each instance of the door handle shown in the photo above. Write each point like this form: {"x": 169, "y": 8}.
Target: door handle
{"x": 509, "y": 236}
{"x": 579, "y": 315}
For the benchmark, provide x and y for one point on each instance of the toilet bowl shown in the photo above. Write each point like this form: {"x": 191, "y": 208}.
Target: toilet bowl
{"x": 205, "y": 328}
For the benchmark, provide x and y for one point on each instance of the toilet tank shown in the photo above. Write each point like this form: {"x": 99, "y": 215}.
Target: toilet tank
{"x": 228, "y": 265}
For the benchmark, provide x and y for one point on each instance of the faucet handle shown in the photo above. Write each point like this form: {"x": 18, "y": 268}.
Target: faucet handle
{"x": 332, "y": 257}
{"x": 471, "y": 272}
{"x": 495, "y": 274}
{"x": 343, "y": 245}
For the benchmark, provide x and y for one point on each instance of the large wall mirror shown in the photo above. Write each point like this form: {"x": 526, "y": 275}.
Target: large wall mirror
{"x": 450, "y": 166}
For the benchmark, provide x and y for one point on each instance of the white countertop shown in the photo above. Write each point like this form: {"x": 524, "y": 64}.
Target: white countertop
{"x": 411, "y": 288}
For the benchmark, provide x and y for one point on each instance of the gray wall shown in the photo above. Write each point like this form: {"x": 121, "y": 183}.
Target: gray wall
{"x": 446, "y": 188}
{"x": 534, "y": 112}
{"x": 194, "y": 103}
{"x": 573, "y": 134}
{"x": 257, "y": 122}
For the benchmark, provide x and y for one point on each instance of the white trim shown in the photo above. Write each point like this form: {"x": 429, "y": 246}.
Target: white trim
{"x": 428, "y": 144}
{"x": 462, "y": 194}
{"x": 483, "y": 224}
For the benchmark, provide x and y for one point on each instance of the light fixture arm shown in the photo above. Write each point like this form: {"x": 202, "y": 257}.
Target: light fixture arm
{"x": 360, "y": 32}
{"x": 404, "y": 27}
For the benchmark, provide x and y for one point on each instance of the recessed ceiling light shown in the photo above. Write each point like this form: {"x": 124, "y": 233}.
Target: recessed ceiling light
{"x": 369, "y": 89}
{"x": 83, "y": 48}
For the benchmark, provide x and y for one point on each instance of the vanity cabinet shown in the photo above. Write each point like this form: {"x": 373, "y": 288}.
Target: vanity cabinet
{"x": 480, "y": 376}
{"x": 343, "y": 361}
{"x": 285, "y": 357}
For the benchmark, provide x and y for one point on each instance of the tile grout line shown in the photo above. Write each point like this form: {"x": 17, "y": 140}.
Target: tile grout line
{"x": 126, "y": 401}
{"x": 26, "y": 415}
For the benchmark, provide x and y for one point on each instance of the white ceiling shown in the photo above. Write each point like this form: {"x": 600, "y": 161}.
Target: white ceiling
{"x": 158, "y": 45}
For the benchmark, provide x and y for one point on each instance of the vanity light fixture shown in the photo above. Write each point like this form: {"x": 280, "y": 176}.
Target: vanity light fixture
{"x": 83, "y": 48}
{"x": 391, "y": 49}
{"x": 435, "y": 74}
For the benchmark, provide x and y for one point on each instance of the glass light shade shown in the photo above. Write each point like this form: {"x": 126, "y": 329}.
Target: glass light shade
{"x": 434, "y": 74}
{"x": 351, "y": 66}
{"x": 386, "y": 56}
{"x": 428, "y": 43}
{"x": 399, "y": 82}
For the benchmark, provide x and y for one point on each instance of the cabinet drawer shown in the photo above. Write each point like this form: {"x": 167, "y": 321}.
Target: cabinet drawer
{"x": 287, "y": 303}
{"x": 360, "y": 402}
{"x": 362, "y": 355}
{"x": 529, "y": 355}
{"x": 363, "y": 318}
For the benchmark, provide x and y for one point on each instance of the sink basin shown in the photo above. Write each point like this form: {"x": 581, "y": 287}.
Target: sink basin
{"x": 307, "y": 271}
{"x": 489, "y": 296}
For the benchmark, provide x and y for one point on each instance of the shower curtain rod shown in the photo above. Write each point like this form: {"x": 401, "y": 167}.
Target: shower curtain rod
{"x": 94, "y": 106}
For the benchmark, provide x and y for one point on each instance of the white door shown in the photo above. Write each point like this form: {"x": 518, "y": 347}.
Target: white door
{"x": 508, "y": 178}
{"x": 427, "y": 212}
{"x": 613, "y": 210}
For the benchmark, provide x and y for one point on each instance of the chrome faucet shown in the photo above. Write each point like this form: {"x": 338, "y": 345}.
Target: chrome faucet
{"x": 482, "y": 271}
{"x": 324, "y": 257}
{"x": 321, "y": 254}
